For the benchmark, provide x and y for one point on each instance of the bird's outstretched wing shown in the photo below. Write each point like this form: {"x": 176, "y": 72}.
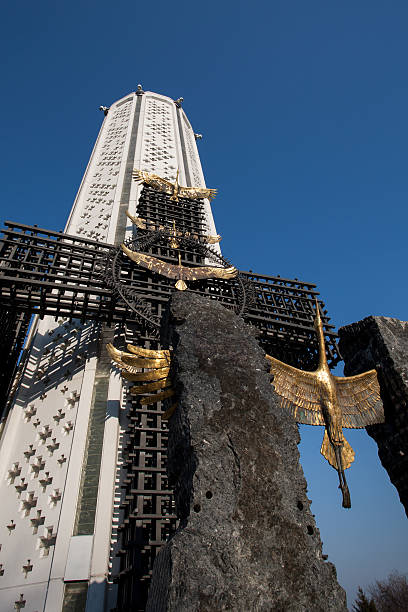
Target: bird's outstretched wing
{"x": 180, "y": 272}
{"x": 209, "y": 272}
{"x": 359, "y": 399}
{"x": 149, "y": 225}
{"x": 154, "y": 354}
{"x": 158, "y": 379}
{"x": 213, "y": 239}
{"x": 299, "y": 392}
{"x": 152, "y": 263}
{"x": 155, "y": 181}
{"x": 134, "y": 375}
{"x": 136, "y": 361}
{"x": 196, "y": 193}
{"x": 143, "y": 223}
{"x": 116, "y": 356}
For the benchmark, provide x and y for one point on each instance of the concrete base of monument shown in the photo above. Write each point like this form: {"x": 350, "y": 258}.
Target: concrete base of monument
{"x": 247, "y": 539}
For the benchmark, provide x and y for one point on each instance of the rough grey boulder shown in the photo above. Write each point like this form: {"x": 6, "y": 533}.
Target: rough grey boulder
{"x": 247, "y": 539}
{"x": 382, "y": 343}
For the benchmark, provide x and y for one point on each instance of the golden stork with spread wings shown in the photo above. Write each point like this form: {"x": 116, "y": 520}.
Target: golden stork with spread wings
{"x": 173, "y": 189}
{"x": 319, "y": 398}
{"x": 180, "y": 272}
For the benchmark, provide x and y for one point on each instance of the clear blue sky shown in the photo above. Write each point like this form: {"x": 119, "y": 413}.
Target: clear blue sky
{"x": 303, "y": 108}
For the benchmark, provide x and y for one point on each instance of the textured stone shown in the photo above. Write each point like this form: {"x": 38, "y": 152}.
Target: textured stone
{"x": 247, "y": 539}
{"x": 382, "y": 343}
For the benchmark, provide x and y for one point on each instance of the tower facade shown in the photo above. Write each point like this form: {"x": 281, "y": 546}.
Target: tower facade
{"x": 83, "y": 483}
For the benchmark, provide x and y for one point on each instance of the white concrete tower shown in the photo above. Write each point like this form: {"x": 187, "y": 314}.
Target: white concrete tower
{"x": 58, "y": 453}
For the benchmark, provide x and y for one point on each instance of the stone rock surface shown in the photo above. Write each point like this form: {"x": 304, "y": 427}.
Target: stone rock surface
{"x": 247, "y": 539}
{"x": 382, "y": 343}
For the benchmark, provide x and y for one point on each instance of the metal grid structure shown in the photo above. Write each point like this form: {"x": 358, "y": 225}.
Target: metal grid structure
{"x": 50, "y": 273}
{"x": 13, "y": 329}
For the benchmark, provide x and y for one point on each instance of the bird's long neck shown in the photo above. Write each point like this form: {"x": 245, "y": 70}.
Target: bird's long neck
{"x": 320, "y": 336}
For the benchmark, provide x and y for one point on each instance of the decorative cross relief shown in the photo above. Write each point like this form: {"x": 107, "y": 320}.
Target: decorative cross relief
{"x": 60, "y": 415}
{"x": 55, "y": 497}
{"x": 28, "y": 567}
{"x": 14, "y": 472}
{"x": 44, "y": 482}
{"x": 30, "y": 412}
{"x": 53, "y": 447}
{"x": 44, "y": 434}
{"x": 37, "y": 521}
{"x": 62, "y": 460}
{"x": 20, "y": 603}
{"x": 45, "y": 542}
{"x": 67, "y": 428}
{"x": 37, "y": 467}
{"x": 21, "y": 487}
{"x": 29, "y": 453}
{"x": 29, "y": 503}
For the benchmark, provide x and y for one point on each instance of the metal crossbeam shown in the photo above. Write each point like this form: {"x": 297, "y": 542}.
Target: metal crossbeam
{"x": 43, "y": 272}
{"x": 51, "y": 273}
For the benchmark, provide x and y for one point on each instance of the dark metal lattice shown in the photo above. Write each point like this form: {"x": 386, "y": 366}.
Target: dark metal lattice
{"x": 50, "y": 273}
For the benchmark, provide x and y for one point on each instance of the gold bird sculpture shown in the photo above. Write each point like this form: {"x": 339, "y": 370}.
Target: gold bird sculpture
{"x": 319, "y": 398}
{"x": 173, "y": 189}
{"x": 180, "y": 272}
{"x": 156, "y": 379}
{"x": 149, "y": 225}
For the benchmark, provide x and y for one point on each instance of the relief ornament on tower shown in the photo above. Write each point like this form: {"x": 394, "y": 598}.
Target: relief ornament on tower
{"x": 176, "y": 242}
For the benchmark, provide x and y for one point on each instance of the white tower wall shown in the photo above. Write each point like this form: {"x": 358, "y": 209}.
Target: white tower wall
{"x": 60, "y": 422}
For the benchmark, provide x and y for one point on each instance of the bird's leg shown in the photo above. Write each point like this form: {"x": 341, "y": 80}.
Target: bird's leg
{"x": 342, "y": 479}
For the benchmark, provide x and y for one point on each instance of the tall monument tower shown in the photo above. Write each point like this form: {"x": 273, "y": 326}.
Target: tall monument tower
{"x": 65, "y": 445}
{"x": 86, "y": 502}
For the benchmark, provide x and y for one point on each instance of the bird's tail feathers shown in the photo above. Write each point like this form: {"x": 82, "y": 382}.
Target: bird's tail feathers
{"x": 327, "y": 450}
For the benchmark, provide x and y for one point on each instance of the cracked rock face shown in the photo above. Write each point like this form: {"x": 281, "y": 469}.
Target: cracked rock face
{"x": 382, "y": 343}
{"x": 247, "y": 539}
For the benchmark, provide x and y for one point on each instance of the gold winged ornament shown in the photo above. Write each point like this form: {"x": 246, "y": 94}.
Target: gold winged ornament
{"x": 180, "y": 272}
{"x": 173, "y": 189}
{"x": 151, "y": 226}
{"x": 319, "y": 398}
{"x": 156, "y": 379}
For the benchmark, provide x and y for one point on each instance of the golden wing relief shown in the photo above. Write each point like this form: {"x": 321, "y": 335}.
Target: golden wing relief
{"x": 151, "y": 263}
{"x": 197, "y": 193}
{"x": 202, "y": 272}
{"x": 157, "y": 182}
{"x": 298, "y": 390}
{"x": 157, "y": 379}
{"x": 359, "y": 399}
{"x": 144, "y": 224}
{"x": 179, "y": 272}
{"x": 173, "y": 189}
